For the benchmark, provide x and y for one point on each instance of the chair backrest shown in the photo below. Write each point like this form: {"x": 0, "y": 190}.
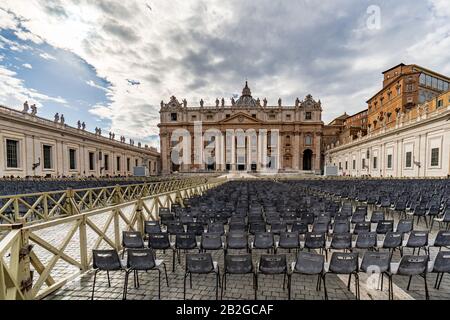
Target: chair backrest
{"x": 344, "y": 263}
{"x": 175, "y": 227}
{"x": 211, "y": 241}
{"x": 413, "y": 265}
{"x": 405, "y": 226}
{"x": 159, "y": 241}
{"x": 238, "y": 264}
{"x": 341, "y": 241}
{"x": 199, "y": 263}
{"x": 132, "y": 239}
{"x": 442, "y": 262}
{"x": 341, "y": 227}
{"x": 300, "y": 227}
{"x": 417, "y": 239}
{"x": 309, "y": 263}
{"x": 195, "y": 227}
{"x": 278, "y": 227}
{"x": 393, "y": 240}
{"x": 442, "y": 239}
{"x": 366, "y": 240}
{"x": 362, "y": 227}
{"x": 107, "y": 260}
{"x": 315, "y": 240}
{"x": 385, "y": 226}
{"x": 237, "y": 240}
{"x": 376, "y": 262}
{"x": 377, "y": 216}
{"x": 322, "y": 227}
{"x": 257, "y": 227}
{"x": 216, "y": 227}
{"x": 289, "y": 240}
{"x": 273, "y": 264}
{"x": 141, "y": 259}
{"x": 152, "y": 227}
{"x": 263, "y": 240}
{"x": 185, "y": 241}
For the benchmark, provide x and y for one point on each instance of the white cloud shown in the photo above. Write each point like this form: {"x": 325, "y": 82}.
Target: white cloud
{"x": 94, "y": 85}
{"x": 47, "y": 56}
{"x": 27, "y": 65}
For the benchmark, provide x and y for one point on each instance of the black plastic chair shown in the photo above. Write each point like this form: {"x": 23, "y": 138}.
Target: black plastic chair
{"x": 418, "y": 240}
{"x": 441, "y": 267}
{"x": 278, "y": 227}
{"x": 405, "y": 226}
{"x": 143, "y": 260}
{"x": 196, "y": 228}
{"x": 380, "y": 263}
{"x": 364, "y": 226}
{"x": 132, "y": 240}
{"x": 393, "y": 241}
{"x": 159, "y": 241}
{"x": 216, "y": 227}
{"x": 211, "y": 242}
{"x": 341, "y": 241}
{"x": 385, "y": 226}
{"x": 377, "y": 216}
{"x": 185, "y": 242}
{"x": 289, "y": 241}
{"x": 105, "y": 260}
{"x": 314, "y": 240}
{"x": 257, "y": 227}
{"x": 442, "y": 240}
{"x": 263, "y": 241}
{"x": 347, "y": 264}
{"x": 238, "y": 264}
{"x": 366, "y": 240}
{"x": 272, "y": 265}
{"x": 300, "y": 227}
{"x": 341, "y": 227}
{"x": 201, "y": 263}
{"x": 310, "y": 264}
{"x": 413, "y": 266}
{"x": 152, "y": 227}
{"x": 237, "y": 241}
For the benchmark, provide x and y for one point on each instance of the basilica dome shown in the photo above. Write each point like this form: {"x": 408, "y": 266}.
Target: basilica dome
{"x": 246, "y": 100}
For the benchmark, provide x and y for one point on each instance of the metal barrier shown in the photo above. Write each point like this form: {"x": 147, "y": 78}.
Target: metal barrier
{"x": 24, "y": 252}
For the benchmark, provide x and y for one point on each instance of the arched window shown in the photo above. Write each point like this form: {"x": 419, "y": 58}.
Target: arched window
{"x": 308, "y": 140}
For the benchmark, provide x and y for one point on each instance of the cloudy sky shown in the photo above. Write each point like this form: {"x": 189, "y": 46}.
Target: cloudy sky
{"x": 110, "y": 63}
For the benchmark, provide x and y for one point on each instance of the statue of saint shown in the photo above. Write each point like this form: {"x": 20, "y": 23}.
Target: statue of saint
{"x": 57, "y": 117}
{"x": 233, "y": 102}
{"x": 258, "y": 102}
{"x": 265, "y": 102}
{"x": 83, "y": 126}
{"x": 223, "y": 102}
{"x": 79, "y": 124}
{"x": 62, "y": 119}
{"x": 25, "y": 107}
{"x": 279, "y": 102}
{"x": 184, "y": 103}
{"x": 217, "y": 102}
{"x": 33, "y": 110}
{"x": 297, "y": 102}
{"x": 162, "y": 104}
{"x": 202, "y": 103}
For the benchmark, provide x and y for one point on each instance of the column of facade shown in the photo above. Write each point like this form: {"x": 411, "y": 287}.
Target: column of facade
{"x": 317, "y": 152}
{"x": 295, "y": 147}
{"x": 165, "y": 156}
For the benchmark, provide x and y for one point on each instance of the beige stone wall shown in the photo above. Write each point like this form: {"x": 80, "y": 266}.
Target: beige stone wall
{"x": 32, "y": 133}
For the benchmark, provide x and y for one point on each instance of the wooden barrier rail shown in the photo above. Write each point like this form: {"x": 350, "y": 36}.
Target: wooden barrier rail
{"x": 36, "y": 207}
{"x": 21, "y": 244}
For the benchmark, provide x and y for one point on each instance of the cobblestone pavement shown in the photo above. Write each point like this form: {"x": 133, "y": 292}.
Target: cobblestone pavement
{"x": 238, "y": 287}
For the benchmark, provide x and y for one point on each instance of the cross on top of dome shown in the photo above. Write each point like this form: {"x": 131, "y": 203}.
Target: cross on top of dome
{"x": 246, "y": 91}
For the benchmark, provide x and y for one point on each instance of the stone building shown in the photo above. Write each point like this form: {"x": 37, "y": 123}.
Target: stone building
{"x": 416, "y": 145}
{"x": 299, "y": 126}
{"x": 34, "y": 146}
{"x": 404, "y": 87}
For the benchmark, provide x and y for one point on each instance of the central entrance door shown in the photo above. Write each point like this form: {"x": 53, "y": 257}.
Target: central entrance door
{"x": 307, "y": 160}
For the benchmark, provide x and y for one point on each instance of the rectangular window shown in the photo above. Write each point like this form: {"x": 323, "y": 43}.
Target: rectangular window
{"x": 346, "y": 165}
{"x": 271, "y": 117}
{"x": 435, "y": 157}
{"x": 136, "y": 163}
{"x": 118, "y": 164}
{"x": 389, "y": 161}
{"x": 72, "y": 159}
{"x": 363, "y": 164}
{"x": 308, "y": 116}
{"x": 128, "y": 164}
{"x": 440, "y": 103}
{"x": 209, "y": 117}
{"x": 354, "y": 164}
{"x": 422, "y": 79}
{"x": 254, "y": 116}
{"x": 12, "y": 153}
{"x": 340, "y": 166}
{"x": 47, "y": 152}
{"x": 288, "y": 117}
{"x": 106, "y": 163}
{"x": 227, "y": 116}
{"x": 435, "y": 83}
{"x": 408, "y": 160}
{"x": 428, "y": 79}
{"x": 91, "y": 161}
{"x": 173, "y": 116}
{"x": 100, "y": 156}
{"x": 440, "y": 85}
{"x": 375, "y": 162}
{"x": 194, "y": 118}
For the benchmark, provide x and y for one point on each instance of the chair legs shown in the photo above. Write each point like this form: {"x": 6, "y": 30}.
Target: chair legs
{"x": 439, "y": 277}
{"x": 424, "y": 276}
{"x": 93, "y": 286}
{"x": 190, "y": 278}
{"x": 137, "y": 284}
